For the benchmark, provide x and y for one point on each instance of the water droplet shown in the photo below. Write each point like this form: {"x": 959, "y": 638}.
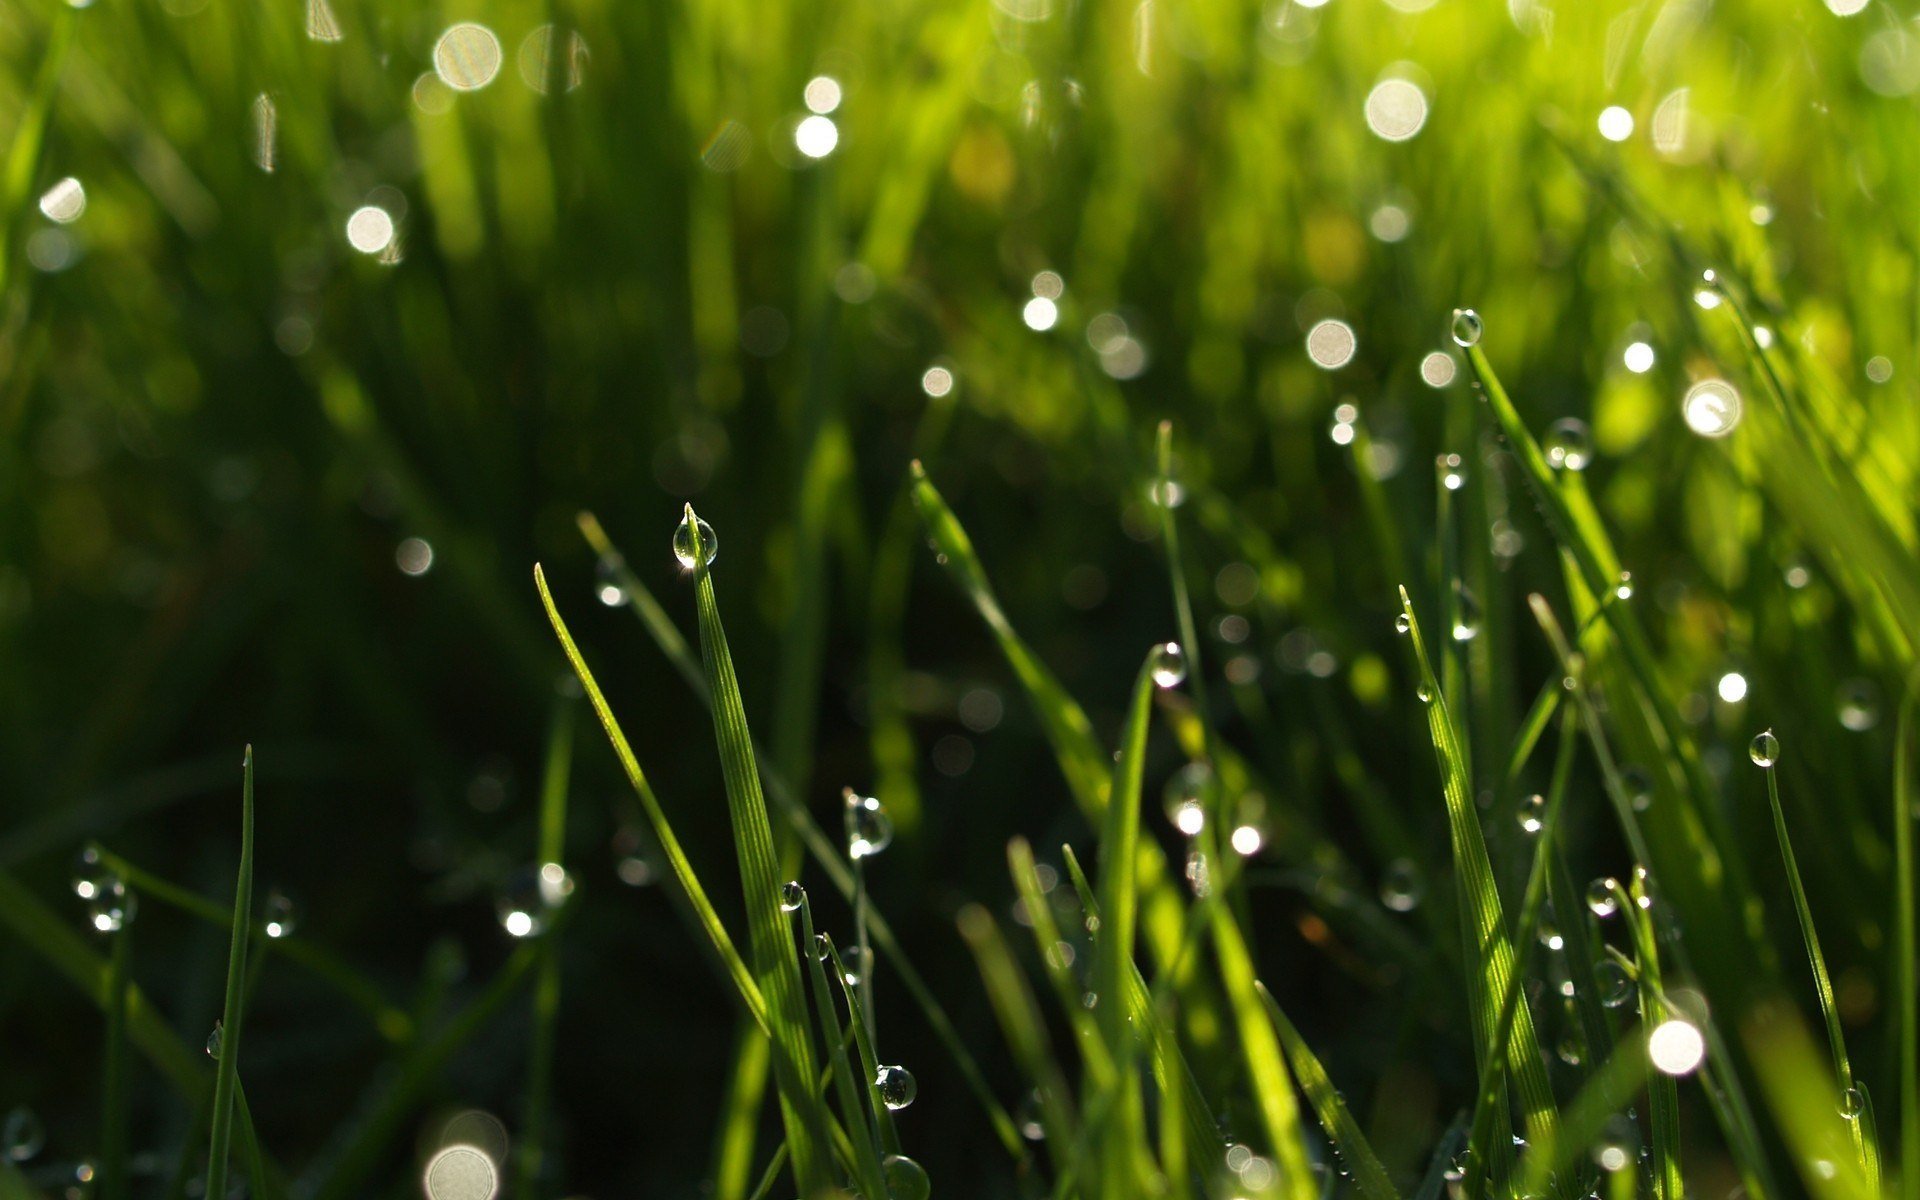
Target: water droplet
{"x": 606, "y": 583}
{"x": 1424, "y": 691}
{"x": 683, "y": 538}
{"x": 820, "y": 947}
{"x": 1532, "y": 814}
{"x": 1031, "y": 1126}
{"x": 1617, "y": 1145}
{"x": 906, "y": 1179}
{"x": 1452, "y": 470}
{"x": 1402, "y": 885}
{"x": 461, "y": 1172}
{"x": 216, "y": 1039}
{"x": 1603, "y": 897}
{"x": 1185, "y": 798}
{"x": 1402, "y": 623}
{"x": 1549, "y": 934}
{"x": 111, "y": 906}
{"x": 1169, "y": 664}
{"x": 1466, "y": 613}
{"x": 467, "y": 56}
{"x": 1711, "y": 408}
{"x": 1623, "y": 587}
{"x": 1858, "y": 703}
{"x": 1166, "y": 493}
{"x": 1765, "y": 749}
{"x": 1467, "y": 327}
{"x": 857, "y": 960}
{"x": 279, "y": 916}
{"x": 1676, "y": 1047}
{"x": 1570, "y": 1048}
{"x": 530, "y": 897}
{"x": 1569, "y": 444}
{"x": 1638, "y": 786}
{"x": 896, "y": 1086}
{"x": 22, "y": 1135}
{"x": 64, "y": 201}
{"x": 1616, "y": 986}
{"x": 88, "y": 874}
{"x": 1853, "y": 1103}
{"x": 792, "y": 896}
{"x": 869, "y": 828}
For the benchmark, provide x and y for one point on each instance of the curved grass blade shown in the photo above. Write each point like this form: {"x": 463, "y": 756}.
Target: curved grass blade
{"x": 775, "y": 959}
{"x": 1021, "y": 1022}
{"x": 863, "y": 1132}
{"x": 1369, "y": 1176}
{"x": 228, "y": 1066}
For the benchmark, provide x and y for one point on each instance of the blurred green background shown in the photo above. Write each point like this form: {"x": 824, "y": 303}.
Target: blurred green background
{"x": 275, "y": 468}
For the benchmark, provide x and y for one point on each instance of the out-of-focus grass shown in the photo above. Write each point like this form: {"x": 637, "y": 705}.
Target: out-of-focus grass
{"x": 256, "y": 484}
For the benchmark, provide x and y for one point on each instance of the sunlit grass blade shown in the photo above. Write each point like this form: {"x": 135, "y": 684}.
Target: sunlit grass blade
{"x": 1906, "y": 979}
{"x": 821, "y": 849}
{"x": 776, "y": 962}
{"x": 1766, "y": 754}
{"x": 1489, "y": 954}
{"x": 857, "y": 1020}
{"x": 1342, "y": 1129}
{"x": 1119, "y": 841}
{"x": 1021, "y": 1023}
{"x": 683, "y": 871}
{"x": 854, "y": 1109}
{"x": 1607, "y": 1092}
{"x": 228, "y": 1064}
{"x": 555, "y": 782}
{"x": 28, "y": 135}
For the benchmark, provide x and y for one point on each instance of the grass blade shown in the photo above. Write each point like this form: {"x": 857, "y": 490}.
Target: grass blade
{"x": 228, "y": 1066}
{"x": 854, "y": 1107}
{"x": 1369, "y": 1176}
{"x": 113, "y": 1123}
{"x": 1021, "y": 1022}
{"x": 776, "y": 962}
{"x": 546, "y": 986}
{"x": 1906, "y": 979}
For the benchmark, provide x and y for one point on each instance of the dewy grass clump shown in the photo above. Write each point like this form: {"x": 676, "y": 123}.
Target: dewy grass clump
{"x": 1140, "y": 773}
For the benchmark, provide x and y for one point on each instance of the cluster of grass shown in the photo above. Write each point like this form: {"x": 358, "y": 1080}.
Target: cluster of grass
{"x": 1537, "y": 825}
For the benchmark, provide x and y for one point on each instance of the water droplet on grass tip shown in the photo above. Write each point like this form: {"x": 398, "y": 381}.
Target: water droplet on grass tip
{"x": 1623, "y": 587}
{"x": 1569, "y": 444}
{"x": 1616, "y": 986}
{"x": 22, "y": 1135}
{"x": 896, "y": 1086}
{"x": 869, "y": 828}
{"x": 216, "y": 1039}
{"x": 1853, "y": 1103}
{"x": 684, "y": 536}
{"x": 1169, "y": 664}
{"x": 530, "y": 897}
{"x": 792, "y": 896}
{"x": 1603, "y": 897}
{"x": 1402, "y": 623}
{"x": 88, "y": 873}
{"x": 1467, "y": 327}
{"x": 111, "y": 906}
{"x": 906, "y": 1179}
{"x": 1765, "y": 749}
{"x": 1711, "y": 408}
{"x": 1424, "y": 691}
{"x": 1532, "y": 813}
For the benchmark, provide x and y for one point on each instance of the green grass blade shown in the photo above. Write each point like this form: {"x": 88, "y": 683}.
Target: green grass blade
{"x": 1489, "y": 954}
{"x": 1369, "y": 1176}
{"x": 861, "y": 1121}
{"x": 228, "y": 1067}
{"x": 1021, "y": 1022}
{"x": 29, "y": 134}
{"x": 1905, "y": 977}
{"x": 113, "y": 1184}
{"x": 776, "y": 963}
{"x": 662, "y": 830}
{"x": 555, "y": 780}
{"x": 1869, "y": 1155}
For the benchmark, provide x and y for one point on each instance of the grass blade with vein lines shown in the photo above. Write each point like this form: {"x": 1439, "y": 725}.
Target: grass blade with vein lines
{"x": 1342, "y": 1130}
{"x": 775, "y": 959}
{"x": 228, "y": 1066}
{"x": 1489, "y": 953}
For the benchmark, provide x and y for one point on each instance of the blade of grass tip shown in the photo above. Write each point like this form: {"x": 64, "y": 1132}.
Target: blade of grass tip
{"x": 1440, "y": 1168}
{"x": 1905, "y": 977}
{"x": 1489, "y": 953}
{"x": 221, "y": 1144}
{"x": 1165, "y": 498}
{"x": 390, "y": 1021}
{"x": 771, "y": 1175}
{"x": 775, "y": 958}
{"x": 870, "y": 1066}
{"x": 656, "y": 817}
{"x": 1068, "y": 989}
{"x": 861, "y": 1126}
{"x": 546, "y": 987}
{"x": 1766, "y": 755}
{"x": 1021, "y": 1022}
{"x": 113, "y": 1121}
{"x": 1348, "y": 1139}
{"x": 819, "y": 847}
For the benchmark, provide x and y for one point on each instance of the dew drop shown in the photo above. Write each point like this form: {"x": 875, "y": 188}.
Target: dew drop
{"x": 1764, "y": 749}
{"x": 530, "y": 897}
{"x": 1466, "y": 613}
{"x": 1853, "y": 1103}
{"x": 216, "y": 1039}
{"x": 1402, "y": 623}
{"x": 1452, "y": 470}
{"x": 869, "y": 828}
{"x": 1623, "y": 587}
{"x": 1616, "y": 986}
{"x": 606, "y": 583}
{"x": 1858, "y": 705}
{"x": 1532, "y": 813}
{"x": 792, "y": 896}
{"x": 461, "y": 1172}
{"x": 1185, "y": 796}
{"x": 1466, "y": 327}
{"x": 1603, "y": 897}
{"x": 22, "y": 1135}
{"x": 1402, "y": 886}
{"x": 88, "y": 874}
{"x": 1569, "y": 444}
{"x": 906, "y": 1179}
{"x": 279, "y": 916}
{"x": 896, "y": 1086}
{"x": 1168, "y": 664}
{"x": 1032, "y": 1127}
{"x": 1424, "y": 691}
{"x": 1617, "y": 1145}
{"x": 690, "y": 528}
{"x": 111, "y": 906}
{"x": 1638, "y": 786}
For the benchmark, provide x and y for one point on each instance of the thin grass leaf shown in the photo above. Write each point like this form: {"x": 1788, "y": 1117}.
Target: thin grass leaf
{"x": 112, "y": 1176}
{"x": 683, "y": 872}
{"x": 1869, "y": 1154}
{"x": 777, "y": 965}
{"x": 554, "y": 785}
{"x": 1608, "y": 1091}
{"x": 228, "y": 1065}
{"x": 1021, "y": 1022}
{"x": 854, "y": 1111}
{"x": 1342, "y": 1130}
{"x": 28, "y": 136}
{"x": 1906, "y": 979}
{"x": 882, "y": 1116}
